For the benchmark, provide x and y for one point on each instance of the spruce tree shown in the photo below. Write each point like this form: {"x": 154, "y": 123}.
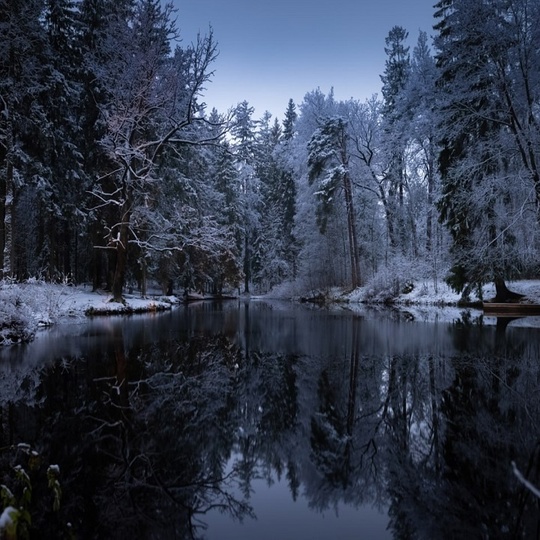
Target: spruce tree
{"x": 289, "y": 121}
{"x": 328, "y": 163}
{"x": 474, "y": 56}
{"x": 394, "y": 79}
{"x": 24, "y": 76}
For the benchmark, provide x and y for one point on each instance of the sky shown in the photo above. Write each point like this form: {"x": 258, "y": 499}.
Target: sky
{"x": 274, "y": 50}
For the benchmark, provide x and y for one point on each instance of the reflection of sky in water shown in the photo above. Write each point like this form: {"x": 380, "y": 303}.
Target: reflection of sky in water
{"x": 280, "y": 517}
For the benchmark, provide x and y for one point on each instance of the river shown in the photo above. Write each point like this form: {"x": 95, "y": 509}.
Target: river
{"x": 272, "y": 420}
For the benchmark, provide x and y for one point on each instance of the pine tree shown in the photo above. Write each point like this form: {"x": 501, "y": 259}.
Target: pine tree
{"x": 395, "y": 77}
{"x": 419, "y": 101}
{"x": 328, "y": 162}
{"x": 475, "y": 55}
{"x": 23, "y": 75}
{"x": 245, "y": 149}
{"x": 397, "y": 69}
{"x": 62, "y": 185}
{"x": 289, "y": 121}
{"x": 463, "y": 86}
{"x": 276, "y": 249}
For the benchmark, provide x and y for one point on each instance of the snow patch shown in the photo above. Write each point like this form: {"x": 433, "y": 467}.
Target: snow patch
{"x": 25, "y": 307}
{"x": 8, "y": 517}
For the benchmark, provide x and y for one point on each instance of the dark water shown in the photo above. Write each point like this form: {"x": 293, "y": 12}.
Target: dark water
{"x": 274, "y": 421}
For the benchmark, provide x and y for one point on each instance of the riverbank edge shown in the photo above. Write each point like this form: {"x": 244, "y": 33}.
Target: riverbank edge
{"x": 421, "y": 293}
{"x": 26, "y": 307}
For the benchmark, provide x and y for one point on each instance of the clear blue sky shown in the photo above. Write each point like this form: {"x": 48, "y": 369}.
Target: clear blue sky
{"x": 273, "y": 50}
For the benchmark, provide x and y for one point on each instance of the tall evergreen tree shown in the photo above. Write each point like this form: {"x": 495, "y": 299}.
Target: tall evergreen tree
{"x": 395, "y": 77}
{"x": 329, "y": 162}
{"x": 277, "y": 250}
{"x": 475, "y": 55}
{"x": 62, "y": 186}
{"x": 420, "y": 97}
{"x": 244, "y": 132}
{"x": 24, "y": 74}
{"x": 289, "y": 121}
{"x": 397, "y": 69}
{"x": 464, "y": 86}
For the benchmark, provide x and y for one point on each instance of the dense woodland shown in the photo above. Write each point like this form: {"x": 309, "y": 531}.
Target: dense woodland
{"x": 113, "y": 170}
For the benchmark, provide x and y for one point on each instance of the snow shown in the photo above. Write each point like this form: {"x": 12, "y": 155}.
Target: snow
{"x": 24, "y": 307}
{"x": 430, "y": 293}
{"x": 27, "y": 306}
{"x": 54, "y": 469}
{"x": 430, "y": 301}
{"x": 7, "y": 517}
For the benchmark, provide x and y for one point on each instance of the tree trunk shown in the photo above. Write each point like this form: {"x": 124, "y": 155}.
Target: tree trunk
{"x": 53, "y": 268}
{"x": 388, "y": 215}
{"x": 7, "y": 259}
{"x": 66, "y": 251}
{"x": 430, "y": 192}
{"x": 351, "y": 227}
{"x": 121, "y": 253}
{"x": 144, "y": 281}
{"x": 97, "y": 257}
{"x": 503, "y": 294}
{"x": 247, "y": 265}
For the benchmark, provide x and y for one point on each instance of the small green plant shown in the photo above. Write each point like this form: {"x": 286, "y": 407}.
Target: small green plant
{"x": 16, "y": 518}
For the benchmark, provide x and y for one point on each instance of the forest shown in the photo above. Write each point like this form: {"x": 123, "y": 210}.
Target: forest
{"x": 115, "y": 173}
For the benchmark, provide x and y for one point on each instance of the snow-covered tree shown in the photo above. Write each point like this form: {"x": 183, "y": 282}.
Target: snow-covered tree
{"x": 276, "y": 244}
{"x": 23, "y": 77}
{"x": 395, "y": 77}
{"x": 322, "y": 258}
{"x": 244, "y": 134}
{"x": 289, "y": 121}
{"x": 152, "y": 105}
{"x": 419, "y": 98}
{"x": 329, "y": 162}
{"x": 488, "y": 119}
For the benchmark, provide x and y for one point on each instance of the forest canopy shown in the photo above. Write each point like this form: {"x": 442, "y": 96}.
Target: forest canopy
{"x": 114, "y": 172}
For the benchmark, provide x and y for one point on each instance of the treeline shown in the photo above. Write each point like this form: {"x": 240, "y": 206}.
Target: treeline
{"x": 114, "y": 172}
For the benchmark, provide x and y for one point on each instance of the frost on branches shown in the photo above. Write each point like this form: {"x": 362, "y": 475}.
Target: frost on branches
{"x": 17, "y": 324}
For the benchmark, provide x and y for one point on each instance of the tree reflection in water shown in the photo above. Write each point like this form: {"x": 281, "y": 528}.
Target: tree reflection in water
{"x": 153, "y": 435}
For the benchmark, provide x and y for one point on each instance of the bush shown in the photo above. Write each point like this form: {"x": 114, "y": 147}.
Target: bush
{"x": 17, "y": 323}
{"x": 390, "y": 282}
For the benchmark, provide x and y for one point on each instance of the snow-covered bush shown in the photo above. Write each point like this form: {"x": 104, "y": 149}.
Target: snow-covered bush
{"x": 390, "y": 282}
{"x": 382, "y": 288}
{"x": 17, "y": 321}
{"x": 287, "y": 290}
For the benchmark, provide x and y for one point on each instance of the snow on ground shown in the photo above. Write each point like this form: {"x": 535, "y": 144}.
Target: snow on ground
{"x": 54, "y": 303}
{"x": 438, "y": 293}
{"x": 430, "y": 301}
{"x": 27, "y": 306}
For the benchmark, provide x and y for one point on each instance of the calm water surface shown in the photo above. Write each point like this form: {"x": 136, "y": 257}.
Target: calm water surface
{"x": 267, "y": 420}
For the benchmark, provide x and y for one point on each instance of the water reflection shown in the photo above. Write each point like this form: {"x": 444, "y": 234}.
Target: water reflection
{"x": 183, "y": 424}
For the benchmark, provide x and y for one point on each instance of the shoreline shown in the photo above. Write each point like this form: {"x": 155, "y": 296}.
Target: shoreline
{"x": 26, "y": 307}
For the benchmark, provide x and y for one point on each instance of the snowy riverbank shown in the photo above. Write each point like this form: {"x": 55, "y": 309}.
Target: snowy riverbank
{"x": 25, "y": 307}
{"x": 431, "y": 293}
{"x": 28, "y": 306}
